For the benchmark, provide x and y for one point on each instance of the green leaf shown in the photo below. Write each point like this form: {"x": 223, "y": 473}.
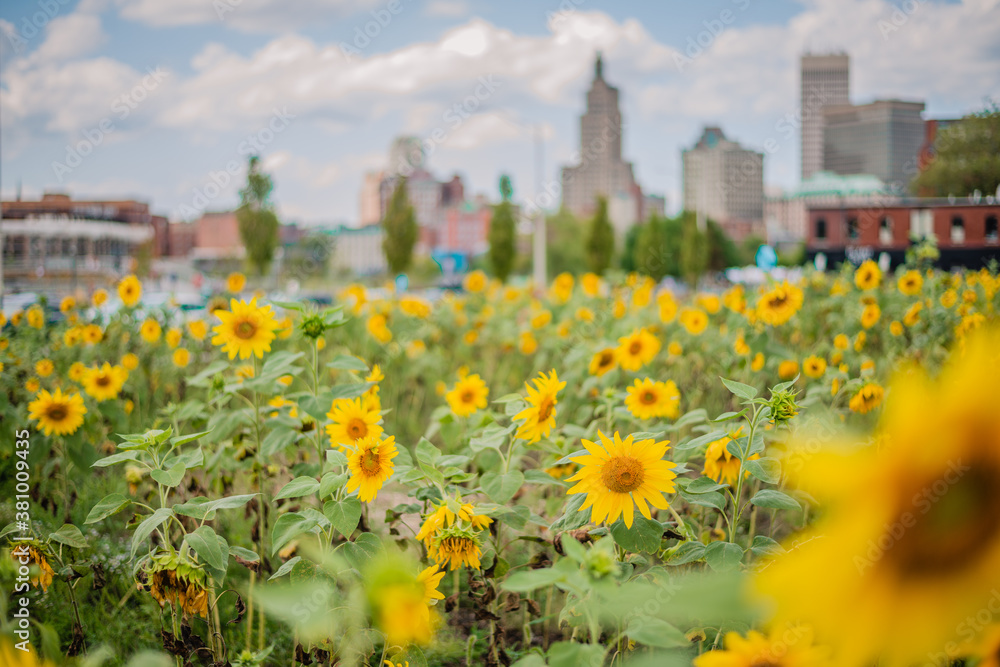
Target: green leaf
{"x": 286, "y": 567}
{"x": 346, "y": 362}
{"x": 116, "y": 458}
{"x": 723, "y": 556}
{"x": 69, "y": 535}
{"x": 427, "y": 452}
{"x": 502, "y": 487}
{"x": 744, "y": 391}
{"x": 524, "y": 581}
{"x": 704, "y": 485}
{"x": 277, "y": 440}
{"x": 205, "y": 543}
{"x": 573, "y": 518}
{"x": 539, "y": 477}
{"x": 148, "y": 525}
{"x": 767, "y": 469}
{"x": 573, "y": 549}
{"x": 288, "y": 305}
{"x": 726, "y": 416}
{"x": 109, "y": 505}
{"x": 687, "y": 552}
{"x": 362, "y": 550}
{"x": 185, "y": 439}
{"x": 344, "y": 515}
{"x": 772, "y": 499}
{"x": 298, "y": 487}
{"x": 711, "y": 499}
{"x": 655, "y": 632}
{"x": 696, "y": 416}
{"x": 288, "y": 527}
{"x": 765, "y": 546}
{"x": 171, "y": 477}
{"x": 645, "y": 534}
{"x": 330, "y": 483}
{"x": 336, "y": 457}
{"x": 244, "y": 553}
{"x": 572, "y": 654}
{"x": 203, "y": 508}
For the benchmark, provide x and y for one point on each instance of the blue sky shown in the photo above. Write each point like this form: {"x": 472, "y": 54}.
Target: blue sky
{"x": 163, "y": 96}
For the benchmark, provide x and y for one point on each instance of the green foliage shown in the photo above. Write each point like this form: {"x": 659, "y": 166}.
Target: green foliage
{"x": 503, "y": 251}
{"x": 400, "y": 226}
{"x": 257, "y": 222}
{"x": 968, "y": 158}
{"x": 600, "y": 239}
{"x": 564, "y": 244}
{"x": 695, "y": 253}
{"x": 658, "y": 250}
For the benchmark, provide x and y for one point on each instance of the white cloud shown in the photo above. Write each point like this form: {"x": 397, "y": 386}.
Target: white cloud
{"x": 70, "y": 36}
{"x": 261, "y": 16}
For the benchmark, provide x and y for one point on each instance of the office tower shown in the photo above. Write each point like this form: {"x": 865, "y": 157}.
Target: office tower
{"x": 824, "y": 80}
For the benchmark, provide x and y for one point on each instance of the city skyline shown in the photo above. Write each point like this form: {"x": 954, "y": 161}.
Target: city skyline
{"x": 485, "y": 78}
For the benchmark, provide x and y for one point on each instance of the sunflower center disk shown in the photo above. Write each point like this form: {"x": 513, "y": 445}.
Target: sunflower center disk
{"x": 635, "y": 348}
{"x": 57, "y": 412}
{"x": 545, "y": 408}
{"x": 103, "y": 381}
{"x": 357, "y": 429}
{"x": 370, "y": 462}
{"x": 245, "y": 330}
{"x": 648, "y": 398}
{"x": 468, "y": 397}
{"x": 623, "y": 474}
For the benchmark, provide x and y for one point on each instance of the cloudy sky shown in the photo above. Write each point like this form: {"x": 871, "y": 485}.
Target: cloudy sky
{"x": 156, "y": 99}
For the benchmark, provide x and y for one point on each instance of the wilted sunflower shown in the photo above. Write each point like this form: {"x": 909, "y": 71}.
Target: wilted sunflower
{"x": 41, "y": 572}
{"x": 867, "y": 398}
{"x": 245, "y": 330}
{"x": 784, "y": 646}
{"x": 603, "y": 362}
{"x": 104, "y": 382}
{"x": 458, "y": 546}
{"x": 57, "y": 413}
{"x": 352, "y": 421}
{"x": 172, "y": 578}
{"x": 468, "y": 395}
{"x": 444, "y": 516}
{"x": 637, "y": 349}
{"x": 130, "y": 290}
{"x": 868, "y": 276}
{"x": 720, "y": 464}
{"x": 647, "y": 399}
{"x": 618, "y": 475}
{"x": 779, "y": 304}
{"x": 371, "y": 465}
{"x": 908, "y": 546}
{"x": 540, "y": 415}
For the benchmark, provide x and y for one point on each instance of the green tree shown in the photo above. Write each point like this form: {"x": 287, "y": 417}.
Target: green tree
{"x": 630, "y": 261}
{"x": 257, "y": 221}
{"x": 968, "y": 158}
{"x": 564, "y": 251}
{"x": 400, "y": 228}
{"x": 658, "y": 249}
{"x": 600, "y": 239}
{"x": 501, "y": 236}
{"x": 694, "y": 253}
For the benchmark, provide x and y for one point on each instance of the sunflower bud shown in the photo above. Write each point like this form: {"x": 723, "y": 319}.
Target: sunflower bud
{"x": 312, "y": 326}
{"x": 600, "y": 561}
{"x": 783, "y": 406}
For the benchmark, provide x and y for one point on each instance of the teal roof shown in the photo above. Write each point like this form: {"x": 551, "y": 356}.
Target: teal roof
{"x": 827, "y": 184}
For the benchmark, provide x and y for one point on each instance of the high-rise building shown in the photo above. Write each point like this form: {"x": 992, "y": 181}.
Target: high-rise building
{"x": 882, "y": 138}
{"x": 601, "y": 171}
{"x": 824, "y": 80}
{"x": 371, "y": 198}
{"x": 725, "y": 182}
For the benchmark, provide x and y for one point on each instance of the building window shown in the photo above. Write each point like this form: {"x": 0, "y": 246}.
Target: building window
{"x": 922, "y": 223}
{"x": 853, "y": 230}
{"x": 885, "y": 230}
{"x": 821, "y": 229}
{"x": 957, "y": 230}
{"x": 992, "y": 233}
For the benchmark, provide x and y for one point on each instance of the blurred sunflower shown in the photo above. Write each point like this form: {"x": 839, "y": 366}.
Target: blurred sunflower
{"x": 720, "y": 464}
{"x": 540, "y": 415}
{"x": 870, "y": 315}
{"x": 92, "y": 334}
{"x": 44, "y": 367}
{"x": 150, "y": 330}
{"x": 694, "y": 320}
{"x": 868, "y": 275}
{"x": 867, "y": 398}
{"x": 784, "y": 646}
{"x": 235, "y": 282}
{"x": 468, "y": 395}
{"x": 99, "y": 298}
{"x": 245, "y": 330}
{"x": 814, "y": 366}
{"x": 527, "y": 343}
{"x": 104, "y": 382}
{"x": 562, "y": 287}
{"x": 647, "y": 399}
{"x": 76, "y": 371}
{"x": 475, "y": 281}
{"x": 198, "y": 329}
{"x": 58, "y": 413}
{"x": 779, "y": 304}
{"x": 619, "y": 475}
{"x": 173, "y": 337}
{"x": 35, "y": 317}
{"x": 910, "y": 283}
{"x": 352, "y": 421}
{"x": 67, "y": 304}
{"x": 667, "y": 306}
{"x": 788, "y": 369}
{"x": 908, "y": 546}
{"x": 181, "y": 357}
{"x": 604, "y": 361}
{"x": 130, "y": 290}
{"x": 637, "y": 349}
{"x": 370, "y": 465}
{"x": 130, "y": 361}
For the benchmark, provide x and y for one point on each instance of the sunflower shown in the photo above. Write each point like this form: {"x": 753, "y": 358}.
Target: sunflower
{"x": 150, "y": 330}
{"x": 99, "y": 297}
{"x": 784, "y": 646}
{"x": 734, "y": 299}
{"x": 603, "y": 362}
{"x": 443, "y": 516}
{"x": 76, "y": 371}
{"x": 870, "y": 315}
{"x": 467, "y": 396}
{"x": 67, "y": 304}
{"x": 352, "y": 421}
{"x": 198, "y": 329}
{"x": 235, "y": 282}
{"x": 562, "y": 287}
{"x": 867, "y": 398}
{"x": 378, "y": 328}
{"x": 868, "y": 275}
{"x": 618, "y": 475}
{"x": 694, "y": 320}
{"x": 130, "y": 361}
{"x": 910, "y": 283}
{"x": 814, "y": 366}
{"x": 35, "y": 317}
{"x": 908, "y": 546}
{"x": 42, "y": 573}
{"x": 371, "y": 465}
{"x": 591, "y": 284}
{"x": 527, "y": 343}
{"x": 637, "y": 349}
{"x": 788, "y": 369}
{"x": 104, "y": 382}
{"x": 72, "y": 336}
{"x": 92, "y": 334}
{"x": 31, "y": 385}
{"x": 647, "y": 399}
{"x": 779, "y": 304}
{"x": 402, "y": 613}
{"x": 540, "y": 415}
{"x": 58, "y": 413}
{"x": 475, "y": 281}
{"x": 181, "y": 357}
{"x": 130, "y": 290}
{"x": 431, "y": 579}
{"x": 173, "y": 577}
{"x": 457, "y": 546}
{"x": 720, "y": 464}
{"x": 246, "y": 329}
{"x": 44, "y": 367}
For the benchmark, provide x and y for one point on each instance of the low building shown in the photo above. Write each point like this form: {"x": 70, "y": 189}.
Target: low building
{"x": 966, "y": 231}
{"x": 466, "y": 228}
{"x": 358, "y": 250}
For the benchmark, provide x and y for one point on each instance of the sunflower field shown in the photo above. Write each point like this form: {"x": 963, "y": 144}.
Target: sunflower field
{"x": 595, "y": 472}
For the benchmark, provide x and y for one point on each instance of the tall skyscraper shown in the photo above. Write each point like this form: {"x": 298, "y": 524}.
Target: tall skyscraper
{"x": 725, "y": 182}
{"x": 883, "y": 138}
{"x": 601, "y": 171}
{"x": 824, "y": 81}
